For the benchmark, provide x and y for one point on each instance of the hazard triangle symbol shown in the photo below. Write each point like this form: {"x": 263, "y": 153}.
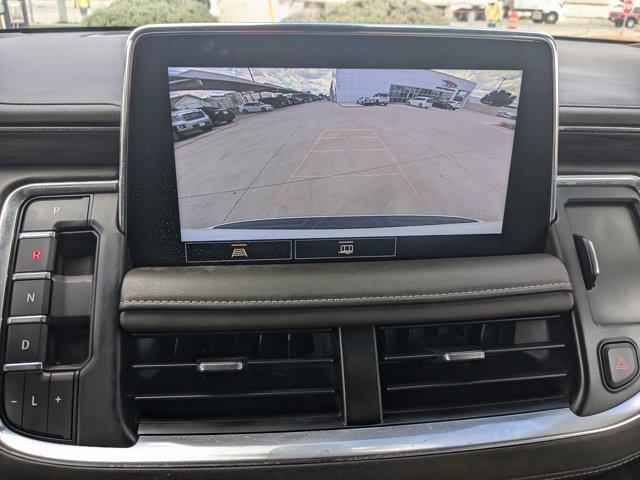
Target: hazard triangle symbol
{"x": 622, "y": 364}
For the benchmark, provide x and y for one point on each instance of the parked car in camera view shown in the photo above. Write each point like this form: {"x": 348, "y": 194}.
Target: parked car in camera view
{"x": 381, "y": 99}
{"x": 420, "y": 102}
{"x": 254, "y": 107}
{"x": 446, "y": 104}
{"x": 187, "y": 121}
{"x": 619, "y": 18}
{"x": 219, "y": 115}
{"x": 275, "y": 102}
{"x": 508, "y": 112}
{"x": 365, "y": 101}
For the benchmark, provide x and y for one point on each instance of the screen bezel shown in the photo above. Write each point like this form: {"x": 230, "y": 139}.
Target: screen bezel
{"x": 149, "y": 206}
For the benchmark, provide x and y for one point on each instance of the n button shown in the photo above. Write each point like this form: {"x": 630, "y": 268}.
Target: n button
{"x": 30, "y": 297}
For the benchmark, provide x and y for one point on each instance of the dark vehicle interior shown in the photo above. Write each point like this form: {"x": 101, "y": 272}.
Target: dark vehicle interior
{"x": 173, "y": 308}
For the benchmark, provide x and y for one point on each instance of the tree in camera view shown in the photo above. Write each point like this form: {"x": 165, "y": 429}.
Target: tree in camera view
{"x": 498, "y": 98}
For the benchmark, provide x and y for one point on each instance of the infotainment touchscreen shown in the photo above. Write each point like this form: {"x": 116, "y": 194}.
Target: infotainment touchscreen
{"x": 307, "y": 153}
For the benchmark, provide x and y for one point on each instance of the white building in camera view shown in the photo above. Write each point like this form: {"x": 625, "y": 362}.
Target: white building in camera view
{"x": 401, "y": 85}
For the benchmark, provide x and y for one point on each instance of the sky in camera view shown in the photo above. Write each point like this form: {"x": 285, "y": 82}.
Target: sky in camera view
{"x": 318, "y": 80}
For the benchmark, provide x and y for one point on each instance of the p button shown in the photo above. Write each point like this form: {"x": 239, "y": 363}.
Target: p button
{"x": 56, "y": 213}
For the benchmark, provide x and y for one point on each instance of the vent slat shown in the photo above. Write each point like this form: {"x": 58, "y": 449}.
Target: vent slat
{"x": 488, "y": 351}
{"x": 480, "y": 381}
{"x": 257, "y": 363}
{"x": 549, "y": 399}
{"x": 230, "y": 396}
{"x": 526, "y": 365}
{"x": 527, "y": 347}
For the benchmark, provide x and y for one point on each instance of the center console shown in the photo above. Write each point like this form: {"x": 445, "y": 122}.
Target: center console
{"x": 320, "y": 261}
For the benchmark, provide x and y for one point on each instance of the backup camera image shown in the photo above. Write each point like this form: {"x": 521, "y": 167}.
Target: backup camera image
{"x": 273, "y": 153}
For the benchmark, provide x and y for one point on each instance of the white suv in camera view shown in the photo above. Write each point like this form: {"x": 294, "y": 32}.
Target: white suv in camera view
{"x": 188, "y": 121}
{"x": 381, "y": 99}
{"x": 420, "y": 102}
{"x": 253, "y": 107}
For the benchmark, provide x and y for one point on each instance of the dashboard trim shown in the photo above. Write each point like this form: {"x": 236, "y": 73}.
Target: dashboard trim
{"x": 631, "y": 181}
{"x": 306, "y": 447}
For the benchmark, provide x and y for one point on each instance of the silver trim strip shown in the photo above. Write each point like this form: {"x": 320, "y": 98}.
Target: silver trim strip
{"x": 329, "y": 445}
{"x": 32, "y": 276}
{"x": 599, "y": 129}
{"x": 27, "y": 319}
{"x": 21, "y": 367}
{"x": 470, "y": 355}
{"x": 306, "y": 447}
{"x": 591, "y": 249}
{"x": 630, "y": 181}
{"x": 37, "y": 235}
{"x": 221, "y": 366}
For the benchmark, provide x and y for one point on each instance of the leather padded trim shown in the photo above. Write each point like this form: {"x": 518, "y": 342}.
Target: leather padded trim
{"x": 198, "y": 320}
{"x": 376, "y": 298}
{"x": 320, "y": 294}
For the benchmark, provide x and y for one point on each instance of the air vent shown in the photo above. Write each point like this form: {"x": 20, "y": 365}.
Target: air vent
{"x": 235, "y": 381}
{"x": 473, "y": 369}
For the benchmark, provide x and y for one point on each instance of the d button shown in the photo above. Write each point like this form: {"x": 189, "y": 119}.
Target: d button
{"x": 25, "y": 343}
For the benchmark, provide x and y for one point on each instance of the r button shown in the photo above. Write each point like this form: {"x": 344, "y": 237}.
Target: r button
{"x": 35, "y": 255}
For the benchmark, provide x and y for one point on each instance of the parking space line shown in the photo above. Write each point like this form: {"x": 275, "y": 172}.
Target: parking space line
{"x": 376, "y": 175}
{"x": 323, "y": 136}
{"x": 404, "y": 174}
{"x": 348, "y": 130}
{"x": 295, "y": 172}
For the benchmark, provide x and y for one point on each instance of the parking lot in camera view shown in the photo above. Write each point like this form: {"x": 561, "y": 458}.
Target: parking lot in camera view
{"x": 324, "y": 159}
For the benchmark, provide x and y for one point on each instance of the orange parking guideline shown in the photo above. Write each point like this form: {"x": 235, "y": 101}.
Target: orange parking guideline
{"x": 322, "y": 136}
{"x": 295, "y": 171}
{"x": 413, "y": 189}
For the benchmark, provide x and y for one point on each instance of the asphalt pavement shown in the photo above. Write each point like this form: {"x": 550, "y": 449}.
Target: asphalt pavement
{"x": 320, "y": 158}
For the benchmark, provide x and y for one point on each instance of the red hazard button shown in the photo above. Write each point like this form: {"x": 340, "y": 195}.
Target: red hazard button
{"x": 620, "y": 363}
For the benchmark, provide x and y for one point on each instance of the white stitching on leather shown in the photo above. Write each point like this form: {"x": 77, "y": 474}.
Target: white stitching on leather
{"x": 347, "y": 299}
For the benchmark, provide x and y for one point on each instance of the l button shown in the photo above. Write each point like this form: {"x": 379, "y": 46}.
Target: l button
{"x": 36, "y": 394}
